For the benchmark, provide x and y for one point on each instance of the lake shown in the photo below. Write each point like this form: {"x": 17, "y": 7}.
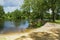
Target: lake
{"x": 13, "y": 26}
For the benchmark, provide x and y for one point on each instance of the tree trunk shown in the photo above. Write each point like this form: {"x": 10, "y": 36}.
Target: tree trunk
{"x": 53, "y": 16}
{"x": 53, "y": 7}
{"x": 41, "y": 16}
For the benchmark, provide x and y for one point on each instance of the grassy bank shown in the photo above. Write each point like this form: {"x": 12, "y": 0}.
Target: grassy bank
{"x": 57, "y": 21}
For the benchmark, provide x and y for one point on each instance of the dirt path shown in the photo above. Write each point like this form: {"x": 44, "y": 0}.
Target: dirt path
{"x": 47, "y": 27}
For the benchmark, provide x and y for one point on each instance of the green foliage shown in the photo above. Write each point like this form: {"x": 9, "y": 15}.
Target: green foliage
{"x": 1, "y": 12}
{"x": 36, "y": 6}
{"x": 15, "y": 15}
{"x": 37, "y": 9}
{"x": 36, "y": 23}
{"x": 54, "y": 5}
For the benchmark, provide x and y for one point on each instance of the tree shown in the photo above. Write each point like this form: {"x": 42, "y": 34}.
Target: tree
{"x": 39, "y": 7}
{"x": 54, "y": 5}
{"x": 1, "y": 11}
{"x": 18, "y": 14}
{"x": 36, "y": 6}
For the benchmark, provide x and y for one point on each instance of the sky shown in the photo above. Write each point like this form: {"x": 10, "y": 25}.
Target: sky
{"x": 11, "y": 5}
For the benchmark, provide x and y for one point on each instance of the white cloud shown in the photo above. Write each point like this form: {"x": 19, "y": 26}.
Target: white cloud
{"x": 10, "y": 9}
{"x": 11, "y": 5}
{"x": 13, "y": 2}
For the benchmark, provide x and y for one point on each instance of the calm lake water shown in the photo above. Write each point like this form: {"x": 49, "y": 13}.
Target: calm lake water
{"x": 13, "y": 26}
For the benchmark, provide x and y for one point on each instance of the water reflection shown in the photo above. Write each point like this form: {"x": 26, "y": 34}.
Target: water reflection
{"x": 23, "y": 25}
{"x": 1, "y": 24}
{"x": 14, "y": 26}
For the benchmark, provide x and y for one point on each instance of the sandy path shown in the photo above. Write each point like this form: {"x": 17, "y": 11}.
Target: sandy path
{"x": 12, "y": 37}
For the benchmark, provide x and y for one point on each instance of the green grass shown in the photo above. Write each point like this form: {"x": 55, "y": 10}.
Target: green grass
{"x": 3, "y": 38}
{"x": 57, "y": 21}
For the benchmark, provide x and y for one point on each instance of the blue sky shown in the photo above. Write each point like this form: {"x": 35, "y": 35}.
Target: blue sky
{"x": 11, "y": 5}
